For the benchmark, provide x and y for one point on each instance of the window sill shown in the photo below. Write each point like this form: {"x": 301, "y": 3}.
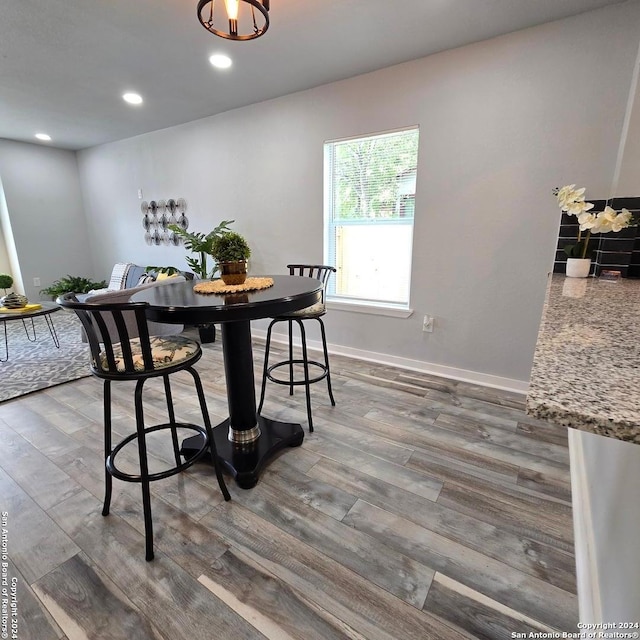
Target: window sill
{"x": 371, "y": 308}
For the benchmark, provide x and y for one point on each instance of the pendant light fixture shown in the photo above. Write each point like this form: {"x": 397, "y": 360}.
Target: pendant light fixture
{"x": 234, "y": 19}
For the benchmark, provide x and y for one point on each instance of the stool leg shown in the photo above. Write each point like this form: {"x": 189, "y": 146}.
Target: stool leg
{"x": 305, "y": 363}
{"x": 326, "y": 361}
{"x": 6, "y": 344}
{"x": 291, "y": 357}
{"x": 144, "y": 472}
{"x": 172, "y": 419}
{"x": 266, "y": 366}
{"x": 207, "y": 425}
{"x": 108, "y": 480}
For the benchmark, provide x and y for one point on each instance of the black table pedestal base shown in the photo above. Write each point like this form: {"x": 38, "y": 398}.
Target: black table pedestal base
{"x": 245, "y": 463}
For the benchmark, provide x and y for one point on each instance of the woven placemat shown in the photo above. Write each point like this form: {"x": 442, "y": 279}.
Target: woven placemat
{"x": 217, "y": 286}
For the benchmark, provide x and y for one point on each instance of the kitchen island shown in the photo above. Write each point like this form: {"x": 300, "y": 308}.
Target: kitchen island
{"x": 586, "y": 369}
{"x": 586, "y": 376}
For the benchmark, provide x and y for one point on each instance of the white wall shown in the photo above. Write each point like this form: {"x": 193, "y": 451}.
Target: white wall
{"x": 5, "y": 267}
{"x": 501, "y": 123}
{"x": 627, "y": 184}
{"x": 44, "y": 206}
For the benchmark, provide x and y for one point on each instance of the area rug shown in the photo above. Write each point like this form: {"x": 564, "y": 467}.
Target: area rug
{"x": 38, "y": 365}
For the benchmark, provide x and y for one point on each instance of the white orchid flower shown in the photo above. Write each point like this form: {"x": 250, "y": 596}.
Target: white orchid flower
{"x": 563, "y": 191}
{"x": 571, "y": 200}
{"x": 621, "y": 221}
{"x": 602, "y": 225}
{"x": 608, "y": 214}
{"x": 565, "y": 195}
{"x": 587, "y": 220}
{"x": 570, "y": 193}
{"x": 627, "y": 214}
{"x": 578, "y": 207}
{"x": 610, "y": 220}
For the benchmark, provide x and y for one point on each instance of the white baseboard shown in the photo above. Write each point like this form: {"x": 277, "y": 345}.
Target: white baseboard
{"x": 453, "y": 373}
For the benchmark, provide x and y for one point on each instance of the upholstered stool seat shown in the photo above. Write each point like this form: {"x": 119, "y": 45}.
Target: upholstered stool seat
{"x": 134, "y": 355}
{"x": 314, "y": 311}
{"x": 168, "y": 351}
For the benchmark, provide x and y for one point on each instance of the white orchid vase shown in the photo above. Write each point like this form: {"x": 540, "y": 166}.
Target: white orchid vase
{"x": 572, "y": 202}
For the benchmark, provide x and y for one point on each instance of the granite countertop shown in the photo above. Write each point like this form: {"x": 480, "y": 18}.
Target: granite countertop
{"x": 586, "y": 369}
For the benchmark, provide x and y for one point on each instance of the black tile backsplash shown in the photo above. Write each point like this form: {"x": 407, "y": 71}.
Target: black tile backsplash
{"x": 616, "y": 244}
{"x": 619, "y": 251}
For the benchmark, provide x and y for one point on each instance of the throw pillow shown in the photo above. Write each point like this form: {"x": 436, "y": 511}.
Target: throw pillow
{"x": 119, "y": 275}
{"x": 146, "y": 278}
{"x": 163, "y": 275}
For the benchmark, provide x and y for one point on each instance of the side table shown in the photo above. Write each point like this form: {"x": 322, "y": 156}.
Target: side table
{"x": 45, "y": 310}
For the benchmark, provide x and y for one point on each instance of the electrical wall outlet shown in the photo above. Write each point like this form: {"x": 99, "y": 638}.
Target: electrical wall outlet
{"x": 36, "y": 282}
{"x": 427, "y": 324}
{"x": 139, "y": 194}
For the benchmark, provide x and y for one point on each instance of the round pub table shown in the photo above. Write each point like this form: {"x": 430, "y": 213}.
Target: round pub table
{"x": 245, "y": 440}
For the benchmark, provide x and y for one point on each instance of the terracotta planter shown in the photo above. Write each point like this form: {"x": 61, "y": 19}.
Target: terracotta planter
{"x": 578, "y": 267}
{"x": 233, "y": 272}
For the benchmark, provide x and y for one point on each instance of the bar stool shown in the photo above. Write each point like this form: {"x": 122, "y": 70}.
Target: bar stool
{"x": 120, "y": 357}
{"x": 315, "y": 312}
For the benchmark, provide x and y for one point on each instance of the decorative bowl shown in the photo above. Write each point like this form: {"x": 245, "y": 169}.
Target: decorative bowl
{"x": 14, "y": 301}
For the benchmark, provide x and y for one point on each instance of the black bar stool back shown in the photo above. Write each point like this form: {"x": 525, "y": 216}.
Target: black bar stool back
{"x": 140, "y": 358}
{"x": 315, "y": 312}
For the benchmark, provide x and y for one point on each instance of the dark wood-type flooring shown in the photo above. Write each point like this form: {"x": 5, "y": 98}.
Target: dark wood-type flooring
{"x": 419, "y": 508}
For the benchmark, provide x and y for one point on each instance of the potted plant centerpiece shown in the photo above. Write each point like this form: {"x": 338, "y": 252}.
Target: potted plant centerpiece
{"x": 231, "y": 251}
{"x": 202, "y": 244}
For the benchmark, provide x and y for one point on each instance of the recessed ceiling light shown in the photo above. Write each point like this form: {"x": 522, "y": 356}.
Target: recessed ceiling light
{"x": 132, "y": 98}
{"x": 220, "y": 61}
{"x": 43, "y": 136}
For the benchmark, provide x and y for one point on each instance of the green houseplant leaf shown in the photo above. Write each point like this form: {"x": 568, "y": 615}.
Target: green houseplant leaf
{"x": 6, "y": 281}
{"x": 581, "y": 249}
{"x": 75, "y": 284}
{"x": 230, "y": 247}
{"x": 168, "y": 270}
{"x": 202, "y": 245}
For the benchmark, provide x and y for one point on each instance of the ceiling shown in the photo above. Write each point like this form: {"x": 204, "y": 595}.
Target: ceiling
{"x": 64, "y": 64}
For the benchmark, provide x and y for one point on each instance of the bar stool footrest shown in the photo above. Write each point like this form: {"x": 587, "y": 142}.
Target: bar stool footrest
{"x": 286, "y": 363}
{"x": 130, "y": 477}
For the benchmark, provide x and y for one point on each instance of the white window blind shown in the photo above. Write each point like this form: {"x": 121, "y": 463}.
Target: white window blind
{"x": 370, "y": 187}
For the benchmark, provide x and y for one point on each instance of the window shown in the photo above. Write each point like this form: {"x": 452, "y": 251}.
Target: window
{"x": 370, "y": 191}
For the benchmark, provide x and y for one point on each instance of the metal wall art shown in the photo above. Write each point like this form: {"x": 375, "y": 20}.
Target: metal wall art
{"x": 157, "y": 215}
